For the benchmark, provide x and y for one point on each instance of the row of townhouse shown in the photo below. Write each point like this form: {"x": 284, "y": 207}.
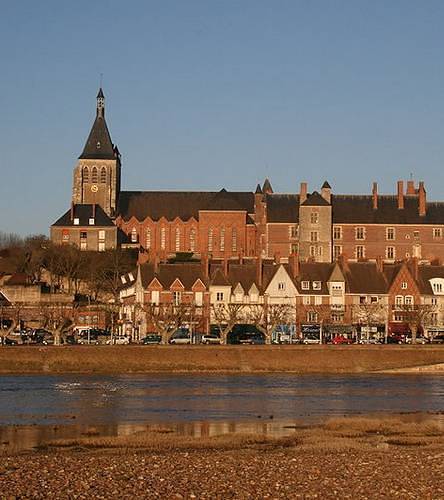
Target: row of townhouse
{"x": 341, "y": 297}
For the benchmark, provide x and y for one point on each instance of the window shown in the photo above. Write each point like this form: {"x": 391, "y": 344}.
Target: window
{"x": 360, "y": 252}
{"x": 390, "y": 233}
{"x": 434, "y": 319}
{"x": 94, "y": 175}
{"x": 337, "y": 317}
{"x": 437, "y": 287}
{"x": 404, "y": 285}
{"x": 222, "y": 239}
{"x": 198, "y": 298}
{"x": 133, "y": 235}
{"x": 337, "y": 232}
{"x": 373, "y": 300}
{"x": 316, "y": 285}
{"x": 318, "y": 300}
{"x": 210, "y": 239}
{"x": 103, "y": 175}
{"x": 155, "y": 296}
{"x": 85, "y": 174}
{"x": 434, "y": 301}
{"x": 192, "y": 240}
{"x": 314, "y": 236}
{"x": 399, "y": 317}
{"x": 293, "y": 231}
{"x": 306, "y": 300}
{"x": 305, "y": 285}
{"x": 162, "y": 238}
{"x": 362, "y": 299}
{"x": 148, "y": 238}
{"x": 219, "y": 296}
{"x": 101, "y": 240}
{"x": 91, "y": 221}
{"x": 312, "y": 317}
{"x": 176, "y": 298}
{"x": 437, "y": 232}
{"x": 83, "y": 240}
{"x": 234, "y": 240}
{"x": 76, "y": 221}
{"x": 312, "y": 251}
{"x": 416, "y": 235}
{"x": 337, "y": 251}
{"x": 360, "y": 233}
{"x": 101, "y": 246}
{"x": 390, "y": 252}
{"x": 65, "y": 236}
{"x": 102, "y": 234}
{"x": 177, "y": 239}
{"x": 399, "y": 300}
{"x": 281, "y": 285}
{"x": 314, "y": 217}
{"x": 408, "y": 301}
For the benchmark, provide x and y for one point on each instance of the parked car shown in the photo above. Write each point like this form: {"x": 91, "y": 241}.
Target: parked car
{"x": 394, "y": 339}
{"x": 371, "y": 340}
{"x": 419, "y": 340}
{"x": 340, "y": 339}
{"x": 210, "y": 338}
{"x": 118, "y": 340}
{"x": 178, "y": 340}
{"x": 7, "y": 341}
{"x": 438, "y": 339}
{"x": 91, "y": 340}
{"x": 311, "y": 339}
{"x": 251, "y": 338}
{"x": 152, "y": 339}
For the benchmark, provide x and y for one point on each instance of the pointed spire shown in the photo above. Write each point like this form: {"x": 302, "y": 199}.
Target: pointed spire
{"x": 99, "y": 145}
{"x": 266, "y": 188}
{"x": 326, "y": 185}
{"x": 258, "y": 189}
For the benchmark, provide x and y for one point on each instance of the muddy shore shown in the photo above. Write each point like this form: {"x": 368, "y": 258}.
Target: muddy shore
{"x": 342, "y": 458}
{"x": 229, "y": 359}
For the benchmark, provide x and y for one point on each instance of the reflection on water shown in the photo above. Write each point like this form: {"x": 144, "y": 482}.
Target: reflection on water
{"x": 199, "y": 404}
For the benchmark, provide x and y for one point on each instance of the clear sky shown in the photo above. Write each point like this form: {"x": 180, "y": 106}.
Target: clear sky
{"x": 207, "y": 94}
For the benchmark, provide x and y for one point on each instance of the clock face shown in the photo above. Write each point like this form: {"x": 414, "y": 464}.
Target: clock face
{"x": 94, "y": 188}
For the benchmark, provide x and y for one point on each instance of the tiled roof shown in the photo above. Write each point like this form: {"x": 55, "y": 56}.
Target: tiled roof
{"x": 426, "y": 273}
{"x": 166, "y": 274}
{"x": 282, "y": 207}
{"x": 314, "y": 271}
{"x": 363, "y": 277}
{"x": 84, "y": 213}
{"x": 182, "y": 204}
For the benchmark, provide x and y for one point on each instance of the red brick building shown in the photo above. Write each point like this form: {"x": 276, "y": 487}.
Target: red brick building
{"x": 318, "y": 226}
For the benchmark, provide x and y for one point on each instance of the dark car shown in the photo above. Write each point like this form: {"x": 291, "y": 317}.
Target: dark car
{"x": 395, "y": 339}
{"x": 438, "y": 339}
{"x": 7, "y": 341}
{"x": 152, "y": 339}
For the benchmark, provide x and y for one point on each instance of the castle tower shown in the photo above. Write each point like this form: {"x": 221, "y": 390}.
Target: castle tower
{"x": 97, "y": 173}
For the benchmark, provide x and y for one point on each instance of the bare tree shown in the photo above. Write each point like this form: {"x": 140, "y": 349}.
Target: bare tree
{"x": 369, "y": 314}
{"x": 415, "y": 316}
{"x": 167, "y": 318}
{"x": 56, "y": 317}
{"x": 267, "y": 317}
{"x": 226, "y": 316}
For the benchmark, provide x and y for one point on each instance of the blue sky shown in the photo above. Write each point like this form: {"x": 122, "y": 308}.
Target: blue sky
{"x": 210, "y": 94}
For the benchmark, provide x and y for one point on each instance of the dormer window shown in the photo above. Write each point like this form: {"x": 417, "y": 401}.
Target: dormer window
{"x": 281, "y": 285}
{"x": 91, "y": 221}
{"x": 76, "y": 221}
{"x": 404, "y": 285}
{"x": 98, "y": 144}
{"x": 305, "y": 285}
{"x": 316, "y": 285}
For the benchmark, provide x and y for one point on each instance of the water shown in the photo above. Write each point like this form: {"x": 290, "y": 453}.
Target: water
{"x": 199, "y": 404}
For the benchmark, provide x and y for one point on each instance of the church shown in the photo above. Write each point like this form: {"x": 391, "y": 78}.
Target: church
{"x": 319, "y": 226}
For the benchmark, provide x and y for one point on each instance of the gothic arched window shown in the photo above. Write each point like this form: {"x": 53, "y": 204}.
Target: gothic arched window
{"x": 94, "y": 175}
{"x": 103, "y": 175}
{"x": 134, "y": 235}
{"x": 85, "y": 174}
{"x": 192, "y": 240}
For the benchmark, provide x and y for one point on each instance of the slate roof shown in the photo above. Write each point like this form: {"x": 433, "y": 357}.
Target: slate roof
{"x": 282, "y": 207}
{"x": 363, "y": 277}
{"x": 315, "y": 200}
{"x": 183, "y": 204}
{"x": 314, "y": 271}
{"x": 84, "y": 212}
{"x": 426, "y": 273}
{"x": 359, "y": 209}
{"x": 166, "y": 274}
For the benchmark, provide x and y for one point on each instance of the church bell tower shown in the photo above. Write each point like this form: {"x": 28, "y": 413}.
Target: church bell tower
{"x": 97, "y": 173}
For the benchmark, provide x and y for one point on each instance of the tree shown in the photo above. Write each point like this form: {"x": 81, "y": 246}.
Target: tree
{"x": 56, "y": 317}
{"x": 267, "y": 317}
{"x": 226, "y": 316}
{"x": 368, "y": 314}
{"x": 415, "y": 316}
{"x": 167, "y": 318}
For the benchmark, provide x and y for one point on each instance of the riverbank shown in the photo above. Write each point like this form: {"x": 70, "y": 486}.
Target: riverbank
{"x": 342, "y": 458}
{"x": 227, "y": 359}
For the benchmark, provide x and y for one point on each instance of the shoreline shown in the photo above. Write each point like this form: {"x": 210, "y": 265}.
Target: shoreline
{"x": 325, "y": 359}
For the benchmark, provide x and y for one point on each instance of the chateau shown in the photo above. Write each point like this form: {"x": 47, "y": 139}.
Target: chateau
{"x": 318, "y": 226}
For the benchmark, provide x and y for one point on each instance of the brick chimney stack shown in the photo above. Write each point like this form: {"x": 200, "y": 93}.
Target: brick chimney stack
{"x": 379, "y": 264}
{"x": 422, "y": 201}
{"x": 225, "y": 265}
{"x": 411, "y": 187}
{"x": 401, "y": 195}
{"x": 375, "y": 196}
{"x": 259, "y": 271}
{"x": 293, "y": 261}
{"x": 205, "y": 263}
{"x": 72, "y": 211}
{"x": 326, "y": 191}
{"x": 303, "y": 193}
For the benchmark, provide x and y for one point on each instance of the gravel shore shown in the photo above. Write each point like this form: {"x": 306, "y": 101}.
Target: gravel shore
{"x": 351, "y": 458}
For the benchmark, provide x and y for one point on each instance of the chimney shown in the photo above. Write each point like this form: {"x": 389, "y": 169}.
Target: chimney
{"x": 293, "y": 261}
{"x": 303, "y": 193}
{"x": 277, "y": 258}
{"x": 400, "y": 195}
{"x": 410, "y": 187}
{"x": 205, "y": 263}
{"x": 94, "y": 211}
{"x": 241, "y": 256}
{"x": 422, "y": 202}
{"x": 379, "y": 264}
{"x": 375, "y": 196}
{"x": 72, "y": 211}
{"x": 414, "y": 267}
{"x": 225, "y": 265}
{"x": 259, "y": 271}
{"x": 156, "y": 263}
{"x": 343, "y": 262}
